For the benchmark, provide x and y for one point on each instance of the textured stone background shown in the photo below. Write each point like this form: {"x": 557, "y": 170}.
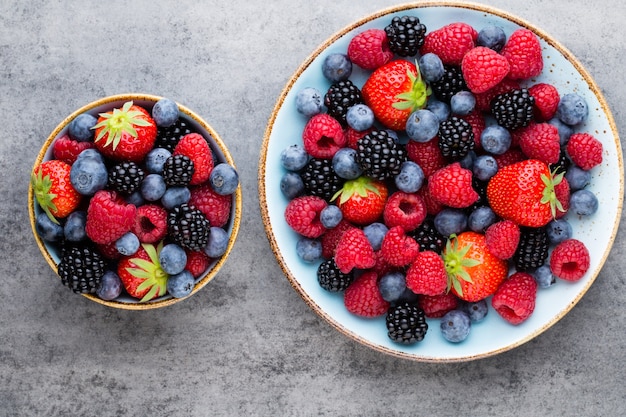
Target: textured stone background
{"x": 248, "y": 344}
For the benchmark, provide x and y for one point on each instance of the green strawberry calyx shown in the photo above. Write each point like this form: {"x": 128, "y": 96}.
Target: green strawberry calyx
{"x": 42, "y": 188}
{"x": 118, "y": 122}
{"x": 417, "y": 97}
{"x": 154, "y": 277}
{"x": 360, "y": 186}
{"x": 456, "y": 263}
{"x": 549, "y": 194}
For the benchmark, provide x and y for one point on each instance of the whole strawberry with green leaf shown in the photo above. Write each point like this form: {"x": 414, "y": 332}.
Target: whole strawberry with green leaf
{"x": 142, "y": 275}
{"x": 394, "y": 91}
{"x": 53, "y": 190}
{"x": 362, "y": 201}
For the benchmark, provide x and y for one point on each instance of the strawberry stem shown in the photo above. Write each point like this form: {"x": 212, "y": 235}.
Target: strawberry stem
{"x": 417, "y": 97}
{"x": 118, "y": 122}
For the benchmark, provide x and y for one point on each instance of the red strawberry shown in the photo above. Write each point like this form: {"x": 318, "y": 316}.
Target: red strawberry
{"x": 450, "y": 42}
{"x": 541, "y": 141}
{"x": 515, "y": 299}
{"x": 196, "y": 148}
{"x": 354, "y": 251}
{"x": 150, "y": 225}
{"x": 394, "y": 91}
{"x": 584, "y": 150}
{"x": 524, "y": 193}
{"x": 67, "y": 149}
{"x": 427, "y": 155}
{"x": 502, "y": 238}
{"x": 407, "y": 210}
{"x": 125, "y": 134}
{"x": 109, "y": 217}
{"x": 214, "y": 206}
{"x": 523, "y": 51}
{"x": 483, "y": 68}
{"x": 546, "y": 100}
{"x": 53, "y": 190}
{"x": 398, "y": 249}
{"x": 570, "y": 260}
{"x": 436, "y": 306}
{"x": 323, "y": 136}
{"x": 483, "y": 100}
{"x": 562, "y": 192}
{"x": 370, "y": 49}
{"x": 474, "y": 273}
{"x": 362, "y": 200}
{"x": 331, "y": 238}
{"x": 452, "y": 186}
{"x": 427, "y": 274}
{"x": 142, "y": 275}
{"x": 363, "y": 298}
{"x": 197, "y": 262}
{"x": 303, "y": 215}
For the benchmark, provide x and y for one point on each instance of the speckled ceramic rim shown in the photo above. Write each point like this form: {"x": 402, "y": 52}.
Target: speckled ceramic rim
{"x": 214, "y": 138}
{"x": 263, "y": 158}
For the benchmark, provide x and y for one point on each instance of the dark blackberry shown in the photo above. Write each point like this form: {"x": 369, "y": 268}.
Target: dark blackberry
{"x": 81, "y": 269}
{"x": 406, "y": 323}
{"x": 178, "y": 170}
{"x": 379, "y": 155}
{"x": 320, "y": 179}
{"x": 125, "y": 177}
{"x": 331, "y": 278}
{"x": 168, "y": 137}
{"x": 406, "y": 35}
{"x": 481, "y": 189}
{"x": 532, "y": 249}
{"x": 340, "y": 97}
{"x": 188, "y": 226}
{"x": 456, "y": 138}
{"x": 513, "y": 109}
{"x": 563, "y": 164}
{"x": 428, "y": 237}
{"x": 449, "y": 84}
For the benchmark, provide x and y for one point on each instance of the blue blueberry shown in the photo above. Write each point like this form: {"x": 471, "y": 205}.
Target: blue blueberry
{"x": 462, "y": 103}
{"x": 175, "y": 196}
{"x": 291, "y": 185}
{"x": 476, "y": 310}
{"x": 481, "y": 218}
{"x": 495, "y": 139}
{"x": 431, "y": 67}
{"x": 218, "y": 242}
{"x": 485, "y": 167}
{"x": 450, "y": 221}
{"x": 309, "y": 101}
{"x": 331, "y": 216}
{"x": 47, "y": 229}
{"x": 136, "y": 199}
{"x": 153, "y": 187}
{"x": 392, "y": 286}
{"x": 345, "y": 164}
{"x": 155, "y": 160}
{"x": 224, "y": 179}
{"x": 88, "y": 175}
{"x": 565, "y": 131}
{"x": 577, "y": 177}
{"x": 397, "y": 138}
{"x": 455, "y": 326}
{"x": 558, "y": 231}
{"x": 492, "y": 37}
{"x": 172, "y": 259}
{"x": 128, "y": 244}
{"x": 74, "y": 228}
{"x": 165, "y": 112}
{"x": 375, "y": 233}
{"x": 81, "y": 128}
{"x": 468, "y": 160}
{"x": 337, "y": 67}
{"x": 309, "y": 250}
{"x": 422, "y": 125}
{"x": 411, "y": 177}
{"x": 294, "y": 158}
{"x": 583, "y": 203}
{"x": 91, "y": 153}
{"x": 110, "y": 286}
{"x": 543, "y": 276}
{"x": 360, "y": 117}
{"x": 572, "y": 109}
{"x": 439, "y": 108}
{"x": 180, "y": 285}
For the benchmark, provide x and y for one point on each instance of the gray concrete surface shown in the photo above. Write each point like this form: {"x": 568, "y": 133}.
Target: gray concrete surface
{"x": 248, "y": 344}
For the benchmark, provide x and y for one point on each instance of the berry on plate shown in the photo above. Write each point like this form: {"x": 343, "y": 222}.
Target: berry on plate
{"x": 142, "y": 275}
{"x": 53, "y": 189}
{"x": 515, "y": 298}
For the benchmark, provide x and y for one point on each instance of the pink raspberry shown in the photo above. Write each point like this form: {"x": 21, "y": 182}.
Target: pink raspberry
{"x": 370, "y": 49}
{"x": 584, "y": 150}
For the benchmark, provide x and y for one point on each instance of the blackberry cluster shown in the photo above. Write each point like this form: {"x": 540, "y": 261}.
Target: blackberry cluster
{"x": 320, "y": 179}
{"x": 178, "y": 170}
{"x": 513, "y": 109}
{"x": 406, "y": 323}
{"x": 340, "y": 97}
{"x": 168, "y": 137}
{"x": 428, "y": 237}
{"x": 481, "y": 189}
{"x": 331, "y": 278}
{"x": 406, "y": 35}
{"x": 532, "y": 249}
{"x": 188, "y": 226}
{"x": 449, "y": 84}
{"x": 456, "y": 138}
{"x": 379, "y": 155}
{"x": 125, "y": 177}
{"x": 563, "y": 164}
{"x": 81, "y": 269}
